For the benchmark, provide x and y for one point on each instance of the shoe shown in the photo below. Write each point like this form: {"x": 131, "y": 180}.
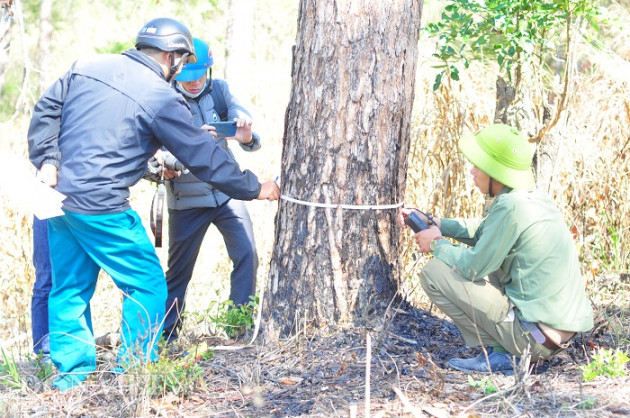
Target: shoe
{"x": 109, "y": 341}
{"x": 496, "y": 363}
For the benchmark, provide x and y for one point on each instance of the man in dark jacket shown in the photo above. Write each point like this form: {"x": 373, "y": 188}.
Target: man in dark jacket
{"x": 194, "y": 205}
{"x": 91, "y": 136}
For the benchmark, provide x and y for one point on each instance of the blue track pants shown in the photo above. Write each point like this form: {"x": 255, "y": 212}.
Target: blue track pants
{"x": 80, "y": 246}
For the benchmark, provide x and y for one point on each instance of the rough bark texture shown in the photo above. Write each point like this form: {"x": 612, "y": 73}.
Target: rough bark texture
{"x": 346, "y": 142}
{"x": 527, "y": 109}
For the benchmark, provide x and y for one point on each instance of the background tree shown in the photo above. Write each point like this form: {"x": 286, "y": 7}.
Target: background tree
{"x": 6, "y": 18}
{"x": 532, "y": 43}
{"x": 16, "y": 69}
{"x": 346, "y": 141}
{"x": 5, "y": 25}
{"x": 240, "y": 34}
{"x": 45, "y": 38}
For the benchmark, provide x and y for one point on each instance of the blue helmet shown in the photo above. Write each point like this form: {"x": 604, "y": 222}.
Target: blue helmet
{"x": 192, "y": 72}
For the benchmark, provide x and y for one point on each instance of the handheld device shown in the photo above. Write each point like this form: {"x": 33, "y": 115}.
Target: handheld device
{"x": 224, "y": 129}
{"x": 172, "y": 163}
{"x": 415, "y": 222}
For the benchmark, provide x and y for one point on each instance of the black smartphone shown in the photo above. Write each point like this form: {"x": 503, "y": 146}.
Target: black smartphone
{"x": 224, "y": 129}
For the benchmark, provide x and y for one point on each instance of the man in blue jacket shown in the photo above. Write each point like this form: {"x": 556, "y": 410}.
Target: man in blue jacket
{"x": 194, "y": 205}
{"x": 91, "y": 136}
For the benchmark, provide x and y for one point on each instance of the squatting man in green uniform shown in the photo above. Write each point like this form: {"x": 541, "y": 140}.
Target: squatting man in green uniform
{"x": 516, "y": 283}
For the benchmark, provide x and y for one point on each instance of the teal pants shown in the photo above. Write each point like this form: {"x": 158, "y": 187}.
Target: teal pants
{"x": 480, "y": 310}
{"x": 80, "y": 246}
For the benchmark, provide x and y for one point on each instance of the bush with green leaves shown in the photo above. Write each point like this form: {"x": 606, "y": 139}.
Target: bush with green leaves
{"x": 235, "y": 320}
{"x": 508, "y": 32}
{"x": 179, "y": 376}
{"x": 45, "y": 368}
{"x": 484, "y": 384}
{"x": 588, "y": 403}
{"x": 607, "y": 363}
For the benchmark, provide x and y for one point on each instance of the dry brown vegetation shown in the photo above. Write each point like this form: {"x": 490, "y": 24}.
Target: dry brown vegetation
{"x": 324, "y": 373}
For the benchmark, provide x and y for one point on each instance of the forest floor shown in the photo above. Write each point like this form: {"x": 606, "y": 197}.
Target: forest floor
{"x": 326, "y": 375}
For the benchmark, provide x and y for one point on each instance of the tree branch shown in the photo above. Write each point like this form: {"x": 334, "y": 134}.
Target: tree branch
{"x": 565, "y": 89}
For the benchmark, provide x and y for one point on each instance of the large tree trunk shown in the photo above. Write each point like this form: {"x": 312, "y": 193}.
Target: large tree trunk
{"x": 346, "y": 142}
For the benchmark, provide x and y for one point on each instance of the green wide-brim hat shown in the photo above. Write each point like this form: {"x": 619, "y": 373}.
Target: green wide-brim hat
{"x": 503, "y": 153}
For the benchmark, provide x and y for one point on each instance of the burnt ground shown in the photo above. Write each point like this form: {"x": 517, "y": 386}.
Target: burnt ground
{"x": 325, "y": 374}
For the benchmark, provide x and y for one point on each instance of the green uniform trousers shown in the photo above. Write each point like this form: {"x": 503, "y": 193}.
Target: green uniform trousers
{"x": 480, "y": 309}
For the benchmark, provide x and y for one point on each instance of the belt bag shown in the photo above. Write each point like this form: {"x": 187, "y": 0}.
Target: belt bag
{"x": 536, "y": 330}
{"x": 157, "y": 213}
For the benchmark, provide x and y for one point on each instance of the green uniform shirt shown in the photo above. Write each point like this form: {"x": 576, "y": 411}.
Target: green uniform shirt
{"x": 523, "y": 236}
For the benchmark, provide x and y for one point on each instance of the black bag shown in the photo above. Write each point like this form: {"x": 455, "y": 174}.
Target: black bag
{"x": 157, "y": 213}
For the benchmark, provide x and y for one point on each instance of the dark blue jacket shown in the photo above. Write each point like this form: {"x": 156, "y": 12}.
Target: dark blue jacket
{"x": 102, "y": 121}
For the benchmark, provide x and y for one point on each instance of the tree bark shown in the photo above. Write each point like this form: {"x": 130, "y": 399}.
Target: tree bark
{"x": 346, "y": 140}
{"x": 527, "y": 109}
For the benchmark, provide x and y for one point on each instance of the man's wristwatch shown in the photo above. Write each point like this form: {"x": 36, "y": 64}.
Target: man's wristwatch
{"x": 250, "y": 143}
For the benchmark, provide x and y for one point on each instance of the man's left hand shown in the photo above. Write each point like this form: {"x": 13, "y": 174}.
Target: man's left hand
{"x": 47, "y": 174}
{"x": 424, "y": 238}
